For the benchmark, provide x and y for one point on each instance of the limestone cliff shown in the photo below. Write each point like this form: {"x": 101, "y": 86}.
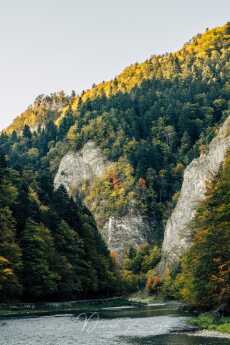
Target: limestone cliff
{"x": 177, "y": 238}
{"x": 130, "y": 229}
{"x": 77, "y": 167}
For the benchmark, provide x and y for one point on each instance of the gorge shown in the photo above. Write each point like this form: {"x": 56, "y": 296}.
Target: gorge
{"x": 89, "y": 182}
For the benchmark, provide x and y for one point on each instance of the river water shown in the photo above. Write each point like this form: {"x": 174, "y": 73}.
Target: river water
{"x": 127, "y": 325}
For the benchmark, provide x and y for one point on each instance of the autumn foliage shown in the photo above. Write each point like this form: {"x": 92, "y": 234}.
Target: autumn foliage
{"x": 205, "y": 277}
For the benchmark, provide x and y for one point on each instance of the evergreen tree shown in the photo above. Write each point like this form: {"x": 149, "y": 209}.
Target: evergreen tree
{"x": 205, "y": 277}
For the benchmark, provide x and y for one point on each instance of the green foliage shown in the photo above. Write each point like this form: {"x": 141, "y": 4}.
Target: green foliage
{"x": 138, "y": 265}
{"x": 38, "y": 259}
{"x": 150, "y": 121}
{"x": 205, "y": 277}
{"x": 10, "y": 252}
{"x": 112, "y": 193}
{"x": 156, "y": 116}
{"x": 208, "y": 321}
{"x": 10, "y": 288}
{"x": 49, "y": 244}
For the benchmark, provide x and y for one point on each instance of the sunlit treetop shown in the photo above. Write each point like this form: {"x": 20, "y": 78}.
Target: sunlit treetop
{"x": 212, "y": 44}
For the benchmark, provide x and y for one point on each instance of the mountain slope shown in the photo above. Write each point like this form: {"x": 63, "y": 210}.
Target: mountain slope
{"x": 152, "y": 130}
{"x": 148, "y": 124}
{"x": 149, "y": 121}
{"x": 211, "y": 44}
{"x": 204, "y": 278}
{"x": 50, "y": 248}
{"x": 198, "y": 176}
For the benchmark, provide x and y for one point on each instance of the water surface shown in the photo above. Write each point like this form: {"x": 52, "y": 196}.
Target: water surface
{"x": 133, "y": 325}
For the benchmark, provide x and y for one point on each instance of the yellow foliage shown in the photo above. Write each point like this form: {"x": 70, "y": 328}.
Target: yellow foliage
{"x": 112, "y": 192}
{"x": 211, "y": 43}
{"x": 3, "y": 261}
{"x": 72, "y": 133}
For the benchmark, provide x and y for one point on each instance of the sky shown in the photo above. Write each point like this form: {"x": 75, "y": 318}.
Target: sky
{"x": 52, "y": 45}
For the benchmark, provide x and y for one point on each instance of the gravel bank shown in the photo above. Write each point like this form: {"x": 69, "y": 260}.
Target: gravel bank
{"x": 206, "y": 333}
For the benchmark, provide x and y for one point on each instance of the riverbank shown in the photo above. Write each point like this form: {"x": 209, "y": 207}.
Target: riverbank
{"x": 83, "y": 306}
{"x": 211, "y": 327}
{"x": 209, "y": 334}
{"x": 144, "y": 298}
{"x": 51, "y": 308}
{"x": 153, "y": 323}
{"x": 203, "y": 325}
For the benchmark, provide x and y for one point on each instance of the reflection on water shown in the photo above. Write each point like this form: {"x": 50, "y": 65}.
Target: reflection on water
{"x": 115, "y": 326}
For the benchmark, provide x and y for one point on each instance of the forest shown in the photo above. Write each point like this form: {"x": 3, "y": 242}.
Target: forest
{"x": 50, "y": 248}
{"x": 150, "y": 121}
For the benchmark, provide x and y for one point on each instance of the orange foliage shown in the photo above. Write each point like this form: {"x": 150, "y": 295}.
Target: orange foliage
{"x": 114, "y": 256}
{"x": 114, "y": 180}
{"x": 142, "y": 183}
{"x": 153, "y": 282}
{"x": 150, "y": 283}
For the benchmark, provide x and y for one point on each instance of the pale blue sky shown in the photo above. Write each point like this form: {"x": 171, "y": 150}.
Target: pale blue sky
{"x": 49, "y": 45}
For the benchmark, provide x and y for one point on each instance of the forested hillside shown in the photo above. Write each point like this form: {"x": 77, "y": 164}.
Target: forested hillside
{"x": 150, "y": 121}
{"x": 153, "y": 119}
{"x": 49, "y": 245}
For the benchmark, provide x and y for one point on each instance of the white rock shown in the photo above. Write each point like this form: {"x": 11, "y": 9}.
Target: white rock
{"x": 131, "y": 230}
{"x": 119, "y": 232}
{"x": 77, "y": 167}
{"x": 177, "y": 238}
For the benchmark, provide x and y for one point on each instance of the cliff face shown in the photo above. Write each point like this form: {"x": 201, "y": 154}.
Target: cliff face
{"x": 177, "y": 238}
{"x": 77, "y": 167}
{"x": 130, "y": 229}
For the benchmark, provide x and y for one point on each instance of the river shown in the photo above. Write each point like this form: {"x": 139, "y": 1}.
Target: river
{"x": 123, "y": 325}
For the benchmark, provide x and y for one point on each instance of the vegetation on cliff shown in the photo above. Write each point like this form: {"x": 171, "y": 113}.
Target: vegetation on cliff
{"x": 205, "y": 277}
{"x": 156, "y": 116}
{"x": 151, "y": 121}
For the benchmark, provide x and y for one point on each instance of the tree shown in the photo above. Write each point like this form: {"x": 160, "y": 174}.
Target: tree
{"x": 10, "y": 288}
{"x": 205, "y": 277}
{"x": 38, "y": 257}
{"x": 27, "y": 133}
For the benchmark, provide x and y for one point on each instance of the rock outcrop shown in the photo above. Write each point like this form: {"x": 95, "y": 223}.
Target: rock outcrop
{"x": 119, "y": 233}
{"x": 177, "y": 238}
{"x": 130, "y": 230}
{"x": 77, "y": 167}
